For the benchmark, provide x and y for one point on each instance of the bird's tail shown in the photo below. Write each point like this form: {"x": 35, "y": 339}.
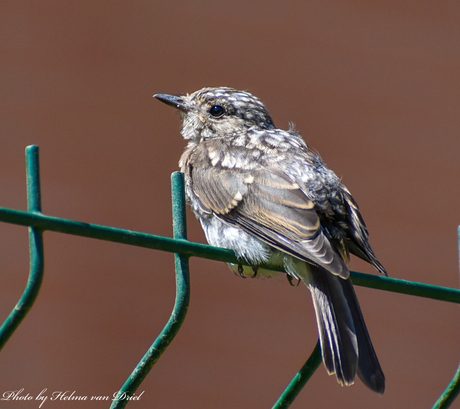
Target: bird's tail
{"x": 345, "y": 343}
{"x": 369, "y": 370}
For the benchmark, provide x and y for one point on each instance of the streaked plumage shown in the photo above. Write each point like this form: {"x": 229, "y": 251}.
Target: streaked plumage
{"x": 263, "y": 193}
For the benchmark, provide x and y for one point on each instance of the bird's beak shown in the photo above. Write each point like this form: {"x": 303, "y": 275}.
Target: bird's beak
{"x": 172, "y": 100}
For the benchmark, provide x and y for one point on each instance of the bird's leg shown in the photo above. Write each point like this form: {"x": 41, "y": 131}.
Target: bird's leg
{"x": 256, "y": 270}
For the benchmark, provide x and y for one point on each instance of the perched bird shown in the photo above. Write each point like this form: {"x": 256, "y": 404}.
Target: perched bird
{"x": 261, "y": 192}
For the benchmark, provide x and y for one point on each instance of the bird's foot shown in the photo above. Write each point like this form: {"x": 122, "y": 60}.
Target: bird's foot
{"x": 255, "y": 269}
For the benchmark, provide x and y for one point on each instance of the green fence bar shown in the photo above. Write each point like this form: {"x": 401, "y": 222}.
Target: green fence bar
{"x": 301, "y": 379}
{"x": 186, "y": 248}
{"x": 44, "y": 222}
{"x": 406, "y": 287}
{"x": 180, "y": 307}
{"x": 183, "y": 249}
{"x": 35, "y": 247}
{"x": 450, "y": 394}
{"x": 453, "y": 390}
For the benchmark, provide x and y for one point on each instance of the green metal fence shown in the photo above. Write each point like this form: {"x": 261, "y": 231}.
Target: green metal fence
{"x": 183, "y": 250}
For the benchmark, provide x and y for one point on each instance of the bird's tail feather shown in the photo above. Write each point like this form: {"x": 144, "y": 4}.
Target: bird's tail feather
{"x": 339, "y": 344}
{"x": 345, "y": 343}
{"x": 369, "y": 370}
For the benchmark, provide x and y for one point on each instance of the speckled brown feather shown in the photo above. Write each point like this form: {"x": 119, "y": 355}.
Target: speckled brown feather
{"x": 261, "y": 192}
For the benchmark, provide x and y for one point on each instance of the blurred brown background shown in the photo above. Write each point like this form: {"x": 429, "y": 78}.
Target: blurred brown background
{"x": 374, "y": 86}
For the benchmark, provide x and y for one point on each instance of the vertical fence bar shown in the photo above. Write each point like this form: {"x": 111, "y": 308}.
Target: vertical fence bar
{"x": 181, "y": 305}
{"x": 36, "y": 269}
{"x": 453, "y": 390}
{"x": 300, "y": 380}
{"x": 450, "y": 394}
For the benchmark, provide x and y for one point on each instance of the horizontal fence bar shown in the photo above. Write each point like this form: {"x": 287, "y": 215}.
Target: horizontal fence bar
{"x": 189, "y": 249}
{"x": 99, "y": 232}
{"x": 397, "y": 285}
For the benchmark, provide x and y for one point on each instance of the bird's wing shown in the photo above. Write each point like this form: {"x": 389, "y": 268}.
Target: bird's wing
{"x": 359, "y": 243}
{"x": 266, "y": 204}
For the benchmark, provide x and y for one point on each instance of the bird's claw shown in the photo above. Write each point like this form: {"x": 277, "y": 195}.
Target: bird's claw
{"x": 291, "y": 281}
{"x": 241, "y": 271}
{"x": 255, "y": 269}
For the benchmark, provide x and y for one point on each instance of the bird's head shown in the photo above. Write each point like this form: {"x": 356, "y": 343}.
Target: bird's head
{"x": 218, "y": 112}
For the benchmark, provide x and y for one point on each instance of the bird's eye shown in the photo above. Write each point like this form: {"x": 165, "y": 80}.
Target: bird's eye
{"x": 217, "y": 111}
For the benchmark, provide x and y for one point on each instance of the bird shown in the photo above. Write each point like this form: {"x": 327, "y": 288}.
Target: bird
{"x": 263, "y": 193}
